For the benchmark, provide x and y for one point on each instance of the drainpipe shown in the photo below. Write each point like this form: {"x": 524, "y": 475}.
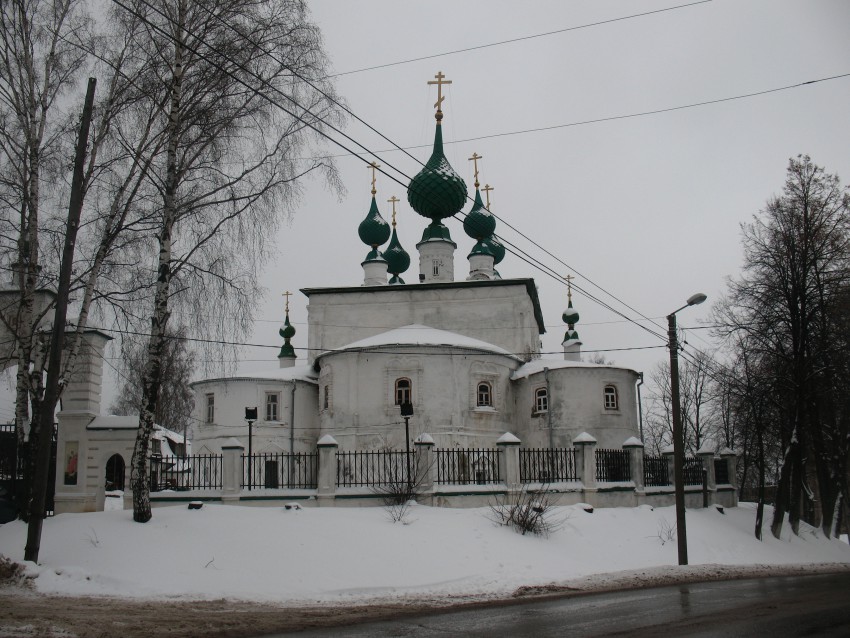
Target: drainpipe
{"x": 291, "y": 428}
{"x": 549, "y": 408}
{"x": 640, "y": 405}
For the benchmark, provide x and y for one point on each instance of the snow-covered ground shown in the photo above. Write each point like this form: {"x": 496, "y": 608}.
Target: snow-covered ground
{"x": 349, "y": 555}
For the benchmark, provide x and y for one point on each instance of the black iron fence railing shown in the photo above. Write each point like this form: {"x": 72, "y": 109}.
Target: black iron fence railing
{"x": 375, "y": 467}
{"x": 721, "y": 472}
{"x": 692, "y": 471}
{"x": 613, "y": 466}
{"x": 276, "y": 470}
{"x": 656, "y": 471}
{"x": 194, "y": 472}
{"x": 471, "y": 466}
{"x": 546, "y": 465}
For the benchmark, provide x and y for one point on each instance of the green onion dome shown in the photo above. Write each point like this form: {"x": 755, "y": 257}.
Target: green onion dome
{"x": 570, "y": 315}
{"x": 497, "y": 249}
{"x": 479, "y": 222}
{"x": 374, "y": 230}
{"x": 437, "y": 191}
{"x": 287, "y": 331}
{"x": 482, "y": 248}
{"x": 397, "y": 258}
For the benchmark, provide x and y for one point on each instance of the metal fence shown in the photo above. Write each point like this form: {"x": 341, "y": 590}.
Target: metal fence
{"x": 721, "y": 471}
{"x": 378, "y": 467}
{"x": 692, "y": 471}
{"x": 194, "y": 472}
{"x": 547, "y": 465}
{"x": 613, "y": 466}
{"x": 275, "y": 470}
{"x": 471, "y": 466}
{"x": 656, "y": 472}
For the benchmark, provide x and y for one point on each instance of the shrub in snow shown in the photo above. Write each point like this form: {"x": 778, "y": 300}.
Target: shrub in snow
{"x": 526, "y": 511}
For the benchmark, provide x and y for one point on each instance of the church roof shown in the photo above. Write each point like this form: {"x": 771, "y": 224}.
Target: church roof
{"x": 419, "y": 335}
{"x": 531, "y": 289}
{"x": 297, "y": 373}
{"x": 536, "y": 366}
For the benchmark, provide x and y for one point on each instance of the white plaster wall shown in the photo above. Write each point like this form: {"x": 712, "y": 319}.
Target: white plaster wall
{"x": 577, "y": 405}
{"x": 232, "y": 396}
{"x": 499, "y": 314}
{"x": 362, "y": 414}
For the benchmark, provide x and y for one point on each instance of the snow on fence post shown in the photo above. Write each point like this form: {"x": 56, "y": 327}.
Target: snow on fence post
{"x": 326, "y": 491}
{"x": 585, "y": 446}
{"x": 731, "y": 458}
{"x": 231, "y": 470}
{"x": 425, "y": 465}
{"x": 635, "y": 448}
{"x": 509, "y": 448}
{"x": 706, "y": 455}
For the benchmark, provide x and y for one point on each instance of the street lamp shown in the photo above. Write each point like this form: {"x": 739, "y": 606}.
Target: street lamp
{"x": 250, "y": 417}
{"x": 678, "y": 433}
{"x": 407, "y": 412}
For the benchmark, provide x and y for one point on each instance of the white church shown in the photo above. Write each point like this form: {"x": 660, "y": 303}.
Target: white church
{"x": 462, "y": 350}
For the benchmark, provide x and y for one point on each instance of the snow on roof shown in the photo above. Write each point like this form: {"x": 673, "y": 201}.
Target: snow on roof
{"x": 419, "y": 335}
{"x": 298, "y": 373}
{"x": 537, "y": 365}
{"x": 113, "y": 422}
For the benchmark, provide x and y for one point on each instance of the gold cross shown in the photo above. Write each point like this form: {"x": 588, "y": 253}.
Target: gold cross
{"x": 487, "y": 188}
{"x": 474, "y": 159}
{"x": 569, "y": 278}
{"x": 287, "y": 294}
{"x": 374, "y": 166}
{"x": 392, "y": 200}
{"x": 440, "y": 81}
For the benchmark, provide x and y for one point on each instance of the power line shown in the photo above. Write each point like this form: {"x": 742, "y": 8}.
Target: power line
{"x": 519, "y": 39}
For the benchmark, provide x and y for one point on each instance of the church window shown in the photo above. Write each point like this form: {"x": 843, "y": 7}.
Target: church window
{"x": 541, "y": 400}
{"x": 611, "y": 402}
{"x": 210, "y": 408}
{"x": 326, "y": 400}
{"x": 485, "y": 395}
{"x": 403, "y": 392}
{"x": 436, "y": 265}
{"x": 271, "y": 406}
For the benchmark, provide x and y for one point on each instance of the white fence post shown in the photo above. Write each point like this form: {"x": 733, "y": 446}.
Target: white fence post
{"x": 426, "y": 463}
{"x": 509, "y": 449}
{"x": 585, "y": 445}
{"x": 635, "y": 448}
{"x": 231, "y": 470}
{"x": 326, "y": 491}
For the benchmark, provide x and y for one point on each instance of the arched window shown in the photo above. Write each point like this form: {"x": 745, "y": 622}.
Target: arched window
{"x": 485, "y": 395}
{"x": 403, "y": 391}
{"x": 610, "y": 394}
{"x": 541, "y": 400}
{"x": 115, "y": 473}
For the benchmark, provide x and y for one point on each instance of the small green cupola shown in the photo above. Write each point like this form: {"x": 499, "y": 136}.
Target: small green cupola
{"x": 398, "y": 261}
{"x": 571, "y": 343}
{"x": 437, "y": 192}
{"x": 480, "y": 224}
{"x": 287, "y": 331}
{"x": 374, "y": 231}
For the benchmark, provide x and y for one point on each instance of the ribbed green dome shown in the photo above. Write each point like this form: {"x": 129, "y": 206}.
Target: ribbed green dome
{"x": 374, "y": 230}
{"x": 497, "y": 249}
{"x": 437, "y": 191}
{"x": 479, "y": 222}
{"x": 397, "y": 258}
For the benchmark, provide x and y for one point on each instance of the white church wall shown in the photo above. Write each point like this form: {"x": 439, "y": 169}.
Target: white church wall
{"x": 498, "y": 312}
{"x": 577, "y": 404}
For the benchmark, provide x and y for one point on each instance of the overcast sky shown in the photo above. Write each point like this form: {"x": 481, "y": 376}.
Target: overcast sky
{"x": 648, "y": 208}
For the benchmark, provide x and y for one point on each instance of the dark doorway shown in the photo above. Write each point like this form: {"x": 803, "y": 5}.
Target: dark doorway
{"x": 115, "y": 473}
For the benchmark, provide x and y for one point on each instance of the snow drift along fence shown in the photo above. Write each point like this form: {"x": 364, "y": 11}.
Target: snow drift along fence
{"x": 471, "y": 466}
{"x": 276, "y": 470}
{"x": 546, "y": 465}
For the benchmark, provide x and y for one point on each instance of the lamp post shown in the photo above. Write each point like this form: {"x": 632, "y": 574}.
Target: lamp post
{"x": 250, "y": 417}
{"x": 678, "y": 433}
{"x": 407, "y": 412}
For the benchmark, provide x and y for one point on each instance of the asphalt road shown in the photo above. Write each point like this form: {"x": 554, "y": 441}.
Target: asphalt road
{"x": 775, "y": 607}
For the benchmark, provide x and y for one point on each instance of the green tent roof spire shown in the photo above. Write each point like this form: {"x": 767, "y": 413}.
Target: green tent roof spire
{"x": 287, "y": 331}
